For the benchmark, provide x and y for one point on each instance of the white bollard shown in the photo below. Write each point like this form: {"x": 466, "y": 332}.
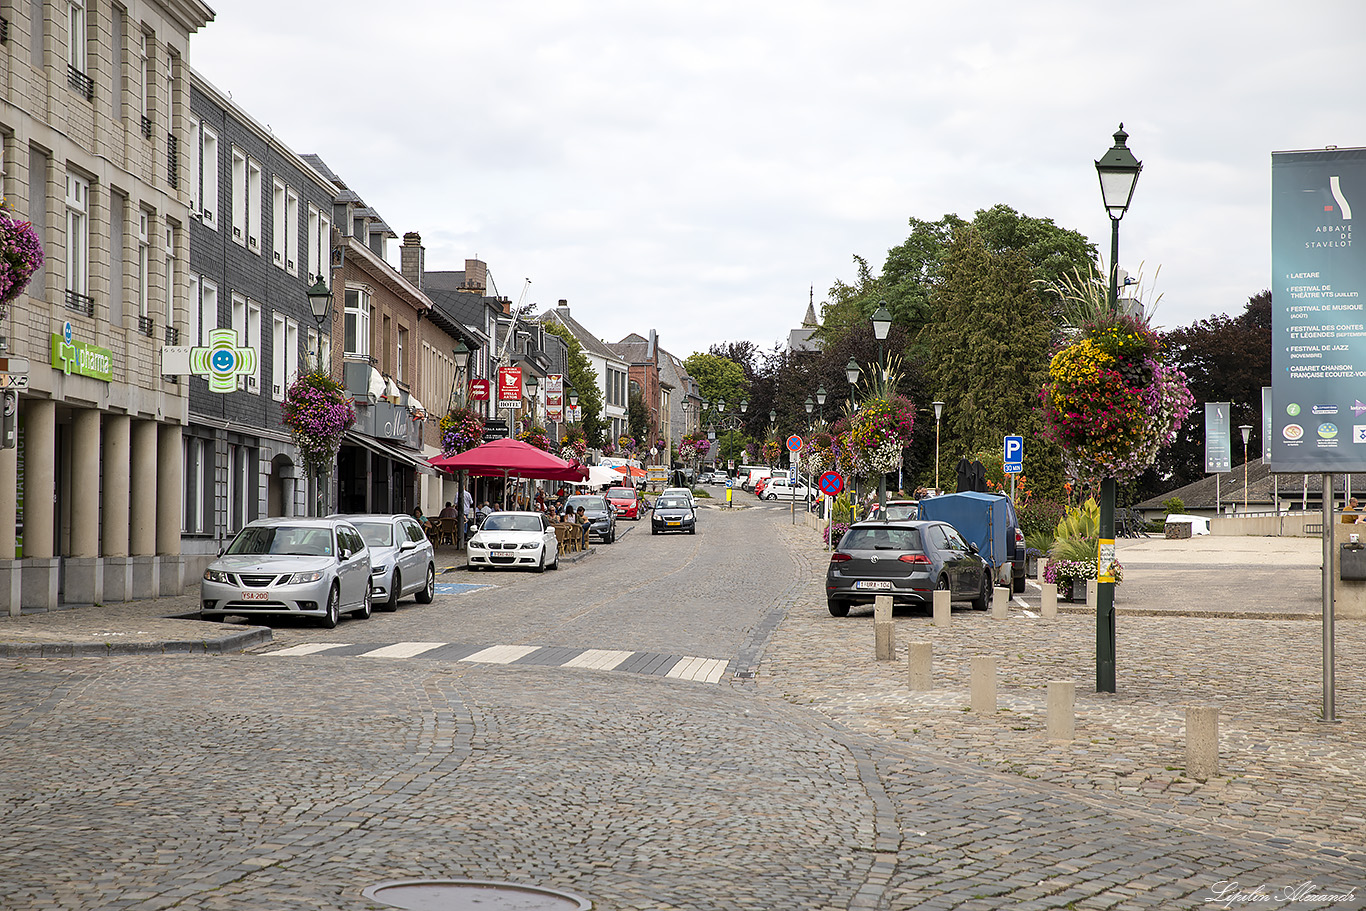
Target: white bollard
{"x": 943, "y": 607}
{"x": 920, "y": 666}
{"x": 1062, "y": 702}
{"x": 884, "y": 639}
{"x": 982, "y": 685}
{"x": 882, "y": 607}
{"x": 1092, "y": 593}
{"x": 1049, "y": 601}
{"x": 1202, "y": 741}
{"x": 1000, "y": 599}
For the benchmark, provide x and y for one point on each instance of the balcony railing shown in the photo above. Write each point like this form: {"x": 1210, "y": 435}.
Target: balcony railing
{"x": 81, "y": 303}
{"x": 4, "y": 30}
{"x": 172, "y": 335}
{"x": 80, "y": 82}
{"x": 146, "y": 127}
{"x": 172, "y": 161}
{"x": 147, "y": 326}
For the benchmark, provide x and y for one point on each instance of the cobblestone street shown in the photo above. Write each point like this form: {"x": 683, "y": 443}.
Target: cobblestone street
{"x": 523, "y": 741}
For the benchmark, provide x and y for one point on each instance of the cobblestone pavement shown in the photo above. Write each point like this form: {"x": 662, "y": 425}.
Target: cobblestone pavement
{"x": 255, "y": 780}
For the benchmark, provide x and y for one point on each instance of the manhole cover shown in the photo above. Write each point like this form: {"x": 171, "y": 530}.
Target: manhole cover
{"x": 472, "y": 895}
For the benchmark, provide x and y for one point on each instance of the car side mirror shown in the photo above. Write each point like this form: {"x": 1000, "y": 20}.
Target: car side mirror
{"x": 407, "y": 545}
{"x": 972, "y": 548}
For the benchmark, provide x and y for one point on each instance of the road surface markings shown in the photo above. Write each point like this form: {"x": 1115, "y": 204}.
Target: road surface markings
{"x": 402, "y": 650}
{"x": 501, "y": 654}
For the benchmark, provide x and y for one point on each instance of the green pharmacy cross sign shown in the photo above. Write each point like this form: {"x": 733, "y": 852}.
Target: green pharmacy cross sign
{"x": 222, "y": 361}
{"x": 71, "y": 355}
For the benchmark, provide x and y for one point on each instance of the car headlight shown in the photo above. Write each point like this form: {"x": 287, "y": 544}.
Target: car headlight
{"x": 531, "y": 545}
{"x": 217, "y": 575}
{"x": 301, "y": 578}
{"x": 378, "y": 570}
{"x": 477, "y": 545}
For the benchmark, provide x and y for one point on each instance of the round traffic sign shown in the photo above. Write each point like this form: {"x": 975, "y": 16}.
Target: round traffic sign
{"x": 794, "y": 443}
{"x": 831, "y": 483}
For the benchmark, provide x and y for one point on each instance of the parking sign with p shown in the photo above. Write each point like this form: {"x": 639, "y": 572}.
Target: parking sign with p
{"x": 1014, "y": 455}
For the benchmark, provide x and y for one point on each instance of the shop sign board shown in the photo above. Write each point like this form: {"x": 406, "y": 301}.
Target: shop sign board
{"x": 71, "y": 355}
{"x": 509, "y": 385}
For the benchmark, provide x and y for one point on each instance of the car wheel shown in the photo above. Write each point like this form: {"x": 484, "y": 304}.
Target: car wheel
{"x": 333, "y": 615}
{"x": 540, "y": 567}
{"x": 943, "y": 586}
{"x": 770, "y": 496}
{"x": 556, "y": 565}
{"x": 367, "y": 607}
{"x": 395, "y": 586}
{"x": 692, "y": 531}
{"x": 428, "y": 591}
{"x": 838, "y": 608}
{"x": 983, "y": 599}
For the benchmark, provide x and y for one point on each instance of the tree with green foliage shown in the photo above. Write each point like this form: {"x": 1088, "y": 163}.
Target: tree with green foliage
{"x": 718, "y": 377}
{"x": 988, "y": 343}
{"x": 638, "y": 421}
{"x": 581, "y": 375}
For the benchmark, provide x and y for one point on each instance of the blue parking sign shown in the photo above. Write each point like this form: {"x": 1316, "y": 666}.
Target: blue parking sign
{"x": 1014, "y": 455}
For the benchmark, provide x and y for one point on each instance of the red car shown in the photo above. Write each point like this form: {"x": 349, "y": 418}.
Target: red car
{"x": 760, "y": 484}
{"x": 624, "y": 501}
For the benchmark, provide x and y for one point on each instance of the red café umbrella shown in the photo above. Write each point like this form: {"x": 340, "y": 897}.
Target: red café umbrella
{"x": 511, "y": 457}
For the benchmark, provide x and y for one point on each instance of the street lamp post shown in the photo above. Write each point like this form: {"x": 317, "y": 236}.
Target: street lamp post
{"x": 882, "y": 324}
{"x": 1246, "y": 430}
{"x": 320, "y": 302}
{"x": 938, "y": 413}
{"x": 1118, "y": 171}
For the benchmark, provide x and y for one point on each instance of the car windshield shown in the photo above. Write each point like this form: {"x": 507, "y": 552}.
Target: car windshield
{"x": 671, "y": 503}
{"x": 881, "y": 539}
{"x": 503, "y": 522}
{"x": 622, "y": 493}
{"x": 676, "y": 492}
{"x": 588, "y": 504}
{"x": 376, "y": 534}
{"x": 899, "y": 512}
{"x": 283, "y": 539}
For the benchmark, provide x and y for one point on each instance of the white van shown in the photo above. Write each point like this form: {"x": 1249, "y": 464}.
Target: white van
{"x": 748, "y": 474}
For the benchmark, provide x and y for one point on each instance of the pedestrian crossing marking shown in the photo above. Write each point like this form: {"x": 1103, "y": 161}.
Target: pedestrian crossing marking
{"x": 308, "y": 648}
{"x": 598, "y": 659}
{"x": 402, "y": 650}
{"x": 501, "y": 654}
{"x": 702, "y": 670}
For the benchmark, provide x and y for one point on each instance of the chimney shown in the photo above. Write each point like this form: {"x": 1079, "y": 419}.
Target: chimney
{"x": 562, "y": 307}
{"x": 410, "y": 258}
{"x": 476, "y": 275}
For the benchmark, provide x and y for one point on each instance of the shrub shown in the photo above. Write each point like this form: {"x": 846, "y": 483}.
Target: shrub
{"x": 1174, "y": 505}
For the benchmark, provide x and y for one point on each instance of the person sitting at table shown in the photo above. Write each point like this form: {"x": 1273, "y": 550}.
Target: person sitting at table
{"x": 581, "y": 523}
{"x": 422, "y": 520}
{"x": 448, "y": 512}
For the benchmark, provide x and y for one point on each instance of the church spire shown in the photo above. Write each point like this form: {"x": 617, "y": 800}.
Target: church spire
{"x": 810, "y": 322}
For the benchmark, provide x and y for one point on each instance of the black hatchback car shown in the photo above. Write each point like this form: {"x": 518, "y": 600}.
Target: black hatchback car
{"x": 602, "y": 518}
{"x": 907, "y": 560}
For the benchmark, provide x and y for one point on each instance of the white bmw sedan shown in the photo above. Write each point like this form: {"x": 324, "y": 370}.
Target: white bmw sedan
{"x": 515, "y": 539}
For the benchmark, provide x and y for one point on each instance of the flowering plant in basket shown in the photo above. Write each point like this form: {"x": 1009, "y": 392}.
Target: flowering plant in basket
{"x": 879, "y": 432}
{"x": 461, "y": 430}
{"x": 317, "y": 412}
{"x": 694, "y": 446}
{"x": 21, "y": 254}
{"x": 574, "y": 442}
{"x": 534, "y": 435}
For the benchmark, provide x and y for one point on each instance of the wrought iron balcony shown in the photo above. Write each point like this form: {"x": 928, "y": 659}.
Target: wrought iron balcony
{"x": 80, "y": 82}
{"x": 147, "y": 326}
{"x": 81, "y": 303}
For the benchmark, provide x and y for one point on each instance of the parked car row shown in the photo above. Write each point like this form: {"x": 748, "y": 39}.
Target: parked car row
{"x": 319, "y": 568}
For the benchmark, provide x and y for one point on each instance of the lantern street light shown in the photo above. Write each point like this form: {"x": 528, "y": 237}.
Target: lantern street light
{"x": 320, "y": 302}
{"x": 820, "y": 402}
{"x": 532, "y": 384}
{"x": 1118, "y": 171}
{"x": 810, "y": 405}
{"x": 852, "y": 373}
{"x": 938, "y": 413}
{"x": 1246, "y": 430}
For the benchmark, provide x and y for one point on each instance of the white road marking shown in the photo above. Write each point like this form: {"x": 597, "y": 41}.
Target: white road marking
{"x": 598, "y": 659}
{"x": 309, "y": 648}
{"x": 705, "y": 670}
{"x": 402, "y": 650}
{"x": 501, "y": 654}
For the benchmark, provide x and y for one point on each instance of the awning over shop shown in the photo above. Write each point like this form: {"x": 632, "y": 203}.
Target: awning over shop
{"x": 403, "y": 456}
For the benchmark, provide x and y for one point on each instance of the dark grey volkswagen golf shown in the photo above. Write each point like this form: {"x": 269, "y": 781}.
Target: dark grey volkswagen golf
{"x": 907, "y": 560}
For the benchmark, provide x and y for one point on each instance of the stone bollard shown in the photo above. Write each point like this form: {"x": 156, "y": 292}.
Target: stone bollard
{"x": 919, "y": 666}
{"x": 884, "y": 632}
{"x": 1000, "y": 598}
{"x": 1092, "y": 593}
{"x": 982, "y": 685}
{"x": 1202, "y": 741}
{"x": 1062, "y": 701}
{"x": 943, "y": 607}
{"x": 1049, "y": 601}
{"x": 882, "y": 607}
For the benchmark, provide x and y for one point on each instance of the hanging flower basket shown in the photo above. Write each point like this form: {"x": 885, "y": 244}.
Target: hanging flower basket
{"x": 317, "y": 412}
{"x": 878, "y": 434}
{"x": 461, "y": 430}
{"x": 535, "y": 436}
{"x": 694, "y": 447}
{"x": 574, "y": 442}
{"x": 21, "y": 254}
{"x": 1110, "y": 402}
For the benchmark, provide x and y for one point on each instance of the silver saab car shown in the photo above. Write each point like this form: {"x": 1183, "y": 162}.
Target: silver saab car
{"x": 297, "y": 567}
{"x": 402, "y": 561}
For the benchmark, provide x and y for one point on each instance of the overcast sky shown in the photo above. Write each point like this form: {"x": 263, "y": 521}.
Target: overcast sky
{"x": 694, "y": 167}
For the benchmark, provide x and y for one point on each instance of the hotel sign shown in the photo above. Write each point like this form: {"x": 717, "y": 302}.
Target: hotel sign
{"x": 71, "y": 355}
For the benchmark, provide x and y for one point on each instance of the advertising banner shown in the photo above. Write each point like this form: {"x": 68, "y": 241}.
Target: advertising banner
{"x": 1218, "y": 443}
{"x": 509, "y": 385}
{"x": 1318, "y": 348}
{"x": 479, "y": 390}
{"x": 554, "y": 397}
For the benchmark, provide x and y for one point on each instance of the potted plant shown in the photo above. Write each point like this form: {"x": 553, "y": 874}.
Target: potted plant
{"x": 317, "y": 412}
{"x": 21, "y": 254}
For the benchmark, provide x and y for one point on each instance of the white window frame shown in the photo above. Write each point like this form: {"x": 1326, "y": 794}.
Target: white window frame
{"x": 77, "y": 53}
{"x": 277, "y": 357}
{"x": 314, "y": 217}
{"x": 239, "y": 196}
{"x": 356, "y": 310}
{"x": 145, "y": 55}
{"x": 170, "y": 275}
{"x": 291, "y": 231}
{"x": 196, "y": 152}
{"x": 291, "y": 350}
{"x": 311, "y": 350}
{"x": 254, "y": 343}
{"x": 277, "y": 214}
{"x": 210, "y": 171}
{"x": 144, "y": 290}
{"x": 77, "y": 234}
{"x": 254, "y": 206}
{"x": 400, "y": 342}
{"x": 192, "y": 313}
{"x": 208, "y": 308}
{"x": 239, "y": 328}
